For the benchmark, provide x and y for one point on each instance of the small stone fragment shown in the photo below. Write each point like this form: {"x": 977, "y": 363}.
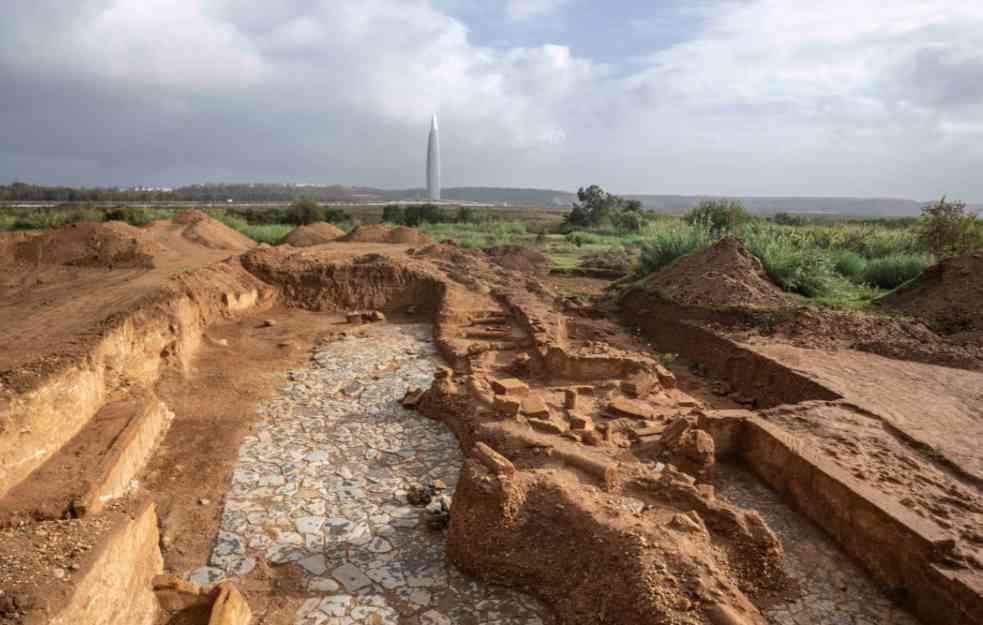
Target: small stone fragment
{"x": 570, "y": 399}
{"x": 494, "y": 461}
{"x": 545, "y": 426}
{"x": 506, "y": 405}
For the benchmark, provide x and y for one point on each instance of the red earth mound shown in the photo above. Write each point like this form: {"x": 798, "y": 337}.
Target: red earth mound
{"x": 948, "y": 295}
{"x": 378, "y": 233}
{"x": 90, "y": 244}
{"x": 519, "y": 258}
{"x": 724, "y": 275}
{"x": 312, "y": 234}
{"x": 212, "y": 233}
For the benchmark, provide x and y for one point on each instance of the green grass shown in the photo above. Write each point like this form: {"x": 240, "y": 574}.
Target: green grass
{"x": 892, "y": 271}
{"x": 266, "y": 233}
{"x": 670, "y": 244}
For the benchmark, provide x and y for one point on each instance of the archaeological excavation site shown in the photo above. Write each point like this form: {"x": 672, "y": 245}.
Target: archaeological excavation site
{"x": 381, "y": 429}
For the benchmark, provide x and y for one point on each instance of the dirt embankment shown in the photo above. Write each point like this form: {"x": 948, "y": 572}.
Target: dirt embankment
{"x": 90, "y": 244}
{"x": 212, "y": 233}
{"x": 519, "y": 258}
{"x": 378, "y": 233}
{"x": 724, "y": 275}
{"x": 312, "y": 234}
{"x": 948, "y": 295}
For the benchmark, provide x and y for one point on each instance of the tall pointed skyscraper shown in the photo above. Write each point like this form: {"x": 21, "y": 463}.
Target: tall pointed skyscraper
{"x": 433, "y": 162}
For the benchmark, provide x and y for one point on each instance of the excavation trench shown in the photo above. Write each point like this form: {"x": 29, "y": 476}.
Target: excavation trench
{"x": 322, "y": 486}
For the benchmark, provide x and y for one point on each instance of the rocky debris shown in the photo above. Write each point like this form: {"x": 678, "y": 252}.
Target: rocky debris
{"x": 547, "y": 427}
{"x": 268, "y": 323}
{"x": 510, "y": 386}
{"x": 439, "y": 512}
{"x": 632, "y": 409}
{"x": 367, "y": 316}
{"x": 422, "y": 495}
{"x": 674, "y": 432}
{"x": 696, "y": 453}
{"x": 412, "y": 398}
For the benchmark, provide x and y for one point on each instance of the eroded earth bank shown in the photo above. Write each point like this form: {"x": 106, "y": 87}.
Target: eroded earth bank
{"x": 361, "y": 431}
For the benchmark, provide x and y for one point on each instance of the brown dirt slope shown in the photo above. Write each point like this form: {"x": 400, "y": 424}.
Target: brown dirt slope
{"x": 312, "y": 234}
{"x": 378, "y": 233}
{"x": 209, "y": 232}
{"x": 948, "y": 294}
{"x": 519, "y": 258}
{"x": 90, "y": 244}
{"x": 724, "y": 275}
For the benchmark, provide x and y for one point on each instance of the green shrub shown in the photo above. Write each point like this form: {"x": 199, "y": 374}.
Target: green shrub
{"x": 265, "y": 233}
{"x": 133, "y": 215}
{"x": 948, "y": 229}
{"x": 665, "y": 246}
{"x": 892, "y": 271}
{"x": 718, "y": 215}
{"x": 849, "y": 264}
{"x": 793, "y": 266}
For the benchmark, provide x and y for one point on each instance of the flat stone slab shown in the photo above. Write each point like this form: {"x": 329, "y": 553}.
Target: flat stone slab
{"x": 632, "y": 409}
{"x": 510, "y": 386}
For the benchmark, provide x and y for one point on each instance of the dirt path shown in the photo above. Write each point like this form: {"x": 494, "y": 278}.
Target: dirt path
{"x": 322, "y": 485}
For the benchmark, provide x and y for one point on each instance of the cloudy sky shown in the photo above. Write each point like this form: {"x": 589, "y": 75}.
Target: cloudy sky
{"x": 728, "y": 97}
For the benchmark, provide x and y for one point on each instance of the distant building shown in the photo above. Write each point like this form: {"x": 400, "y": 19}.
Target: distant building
{"x": 433, "y": 162}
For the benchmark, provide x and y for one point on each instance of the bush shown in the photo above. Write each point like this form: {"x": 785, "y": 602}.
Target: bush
{"x": 849, "y": 264}
{"x": 393, "y": 214}
{"x": 718, "y": 215}
{"x": 948, "y": 229}
{"x": 788, "y": 219}
{"x": 795, "y": 267}
{"x": 668, "y": 245}
{"x": 304, "y": 212}
{"x": 417, "y": 214}
{"x": 133, "y": 215}
{"x": 892, "y": 271}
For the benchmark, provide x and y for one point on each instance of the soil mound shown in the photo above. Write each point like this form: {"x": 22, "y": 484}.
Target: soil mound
{"x": 948, "y": 295}
{"x": 312, "y": 234}
{"x": 377, "y": 233}
{"x": 519, "y": 258}
{"x": 212, "y": 233}
{"x": 111, "y": 244}
{"x": 725, "y": 274}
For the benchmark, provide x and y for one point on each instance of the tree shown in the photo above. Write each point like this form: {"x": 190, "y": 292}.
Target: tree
{"x": 303, "y": 212}
{"x": 594, "y": 207}
{"x": 466, "y": 215}
{"x": 948, "y": 229}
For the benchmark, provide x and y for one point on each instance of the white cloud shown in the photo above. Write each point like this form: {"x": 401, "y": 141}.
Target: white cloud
{"x": 770, "y": 97}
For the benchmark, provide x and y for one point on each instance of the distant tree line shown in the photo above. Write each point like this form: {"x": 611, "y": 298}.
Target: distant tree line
{"x": 24, "y": 192}
{"x": 416, "y": 214}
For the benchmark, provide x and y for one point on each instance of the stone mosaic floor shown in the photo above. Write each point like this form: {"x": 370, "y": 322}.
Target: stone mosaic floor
{"x": 323, "y": 484}
{"x": 835, "y": 591}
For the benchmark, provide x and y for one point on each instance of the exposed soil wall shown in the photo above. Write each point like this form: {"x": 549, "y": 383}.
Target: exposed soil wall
{"x": 766, "y": 382}
{"x": 36, "y": 423}
{"x": 894, "y": 545}
{"x": 372, "y": 282}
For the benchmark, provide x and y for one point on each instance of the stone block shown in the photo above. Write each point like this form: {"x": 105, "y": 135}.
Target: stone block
{"x": 507, "y": 406}
{"x": 570, "y": 399}
{"x": 534, "y": 406}
{"x": 510, "y": 386}
{"x": 579, "y": 422}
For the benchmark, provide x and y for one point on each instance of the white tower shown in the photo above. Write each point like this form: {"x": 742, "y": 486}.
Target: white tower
{"x": 433, "y": 162}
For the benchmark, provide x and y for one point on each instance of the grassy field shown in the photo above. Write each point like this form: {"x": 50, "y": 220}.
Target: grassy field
{"x": 842, "y": 262}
